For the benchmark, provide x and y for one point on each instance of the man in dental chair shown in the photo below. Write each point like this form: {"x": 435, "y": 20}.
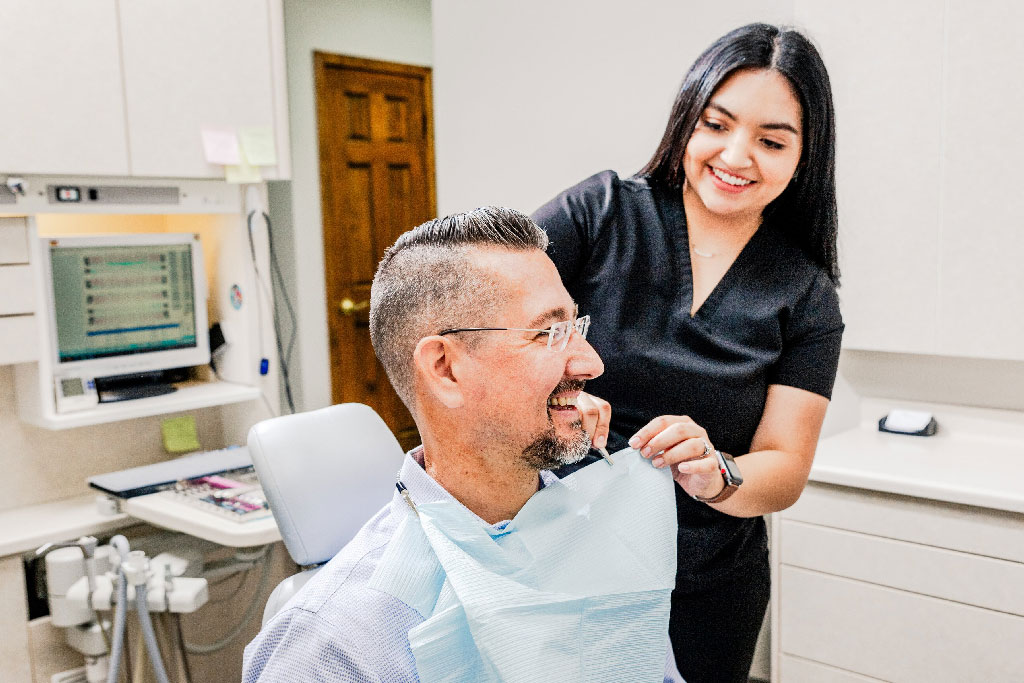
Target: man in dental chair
{"x": 485, "y": 566}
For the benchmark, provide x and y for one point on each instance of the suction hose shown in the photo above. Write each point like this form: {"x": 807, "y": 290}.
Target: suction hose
{"x": 146, "y": 622}
{"x": 117, "y": 637}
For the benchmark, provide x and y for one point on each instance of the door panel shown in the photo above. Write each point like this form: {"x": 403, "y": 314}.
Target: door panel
{"x": 376, "y": 182}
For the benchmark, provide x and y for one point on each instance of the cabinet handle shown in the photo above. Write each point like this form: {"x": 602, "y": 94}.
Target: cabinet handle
{"x": 348, "y": 307}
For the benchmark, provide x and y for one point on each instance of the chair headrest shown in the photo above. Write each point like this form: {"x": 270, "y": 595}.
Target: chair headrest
{"x": 325, "y": 473}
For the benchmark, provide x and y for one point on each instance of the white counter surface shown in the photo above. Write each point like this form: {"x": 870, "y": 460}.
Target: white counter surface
{"x": 27, "y": 528}
{"x": 976, "y": 458}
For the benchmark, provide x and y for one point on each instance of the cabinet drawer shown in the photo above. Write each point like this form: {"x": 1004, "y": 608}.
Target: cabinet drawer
{"x": 19, "y": 340}
{"x": 16, "y": 291}
{"x": 13, "y": 241}
{"x": 940, "y": 573}
{"x": 965, "y": 528}
{"x": 796, "y": 670}
{"x": 895, "y": 635}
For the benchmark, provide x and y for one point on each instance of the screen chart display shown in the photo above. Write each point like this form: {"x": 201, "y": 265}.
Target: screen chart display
{"x": 118, "y": 300}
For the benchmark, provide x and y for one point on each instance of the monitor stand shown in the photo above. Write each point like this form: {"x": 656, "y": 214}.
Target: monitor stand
{"x": 135, "y": 385}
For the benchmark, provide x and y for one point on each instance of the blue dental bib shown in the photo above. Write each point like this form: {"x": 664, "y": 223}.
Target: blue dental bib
{"x": 575, "y": 588}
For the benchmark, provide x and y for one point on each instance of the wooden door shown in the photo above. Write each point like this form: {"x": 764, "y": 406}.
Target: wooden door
{"x": 376, "y": 181}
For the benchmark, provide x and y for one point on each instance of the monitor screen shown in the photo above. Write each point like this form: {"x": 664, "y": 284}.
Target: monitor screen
{"x": 116, "y": 300}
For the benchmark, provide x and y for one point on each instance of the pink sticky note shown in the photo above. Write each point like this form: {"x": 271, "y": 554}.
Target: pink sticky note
{"x": 220, "y": 146}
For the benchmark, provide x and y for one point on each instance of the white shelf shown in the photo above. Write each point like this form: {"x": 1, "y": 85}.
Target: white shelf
{"x": 27, "y": 528}
{"x": 190, "y": 395}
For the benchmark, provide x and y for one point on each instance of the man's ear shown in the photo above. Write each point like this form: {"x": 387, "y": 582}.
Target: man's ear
{"x": 434, "y": 358}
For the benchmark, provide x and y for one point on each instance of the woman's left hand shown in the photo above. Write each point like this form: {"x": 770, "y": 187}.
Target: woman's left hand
{"x": 596, "y": 416}
{"x": 678, "y": 442}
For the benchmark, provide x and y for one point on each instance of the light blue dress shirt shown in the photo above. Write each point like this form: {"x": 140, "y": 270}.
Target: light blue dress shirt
{"x": 337, "y": 628}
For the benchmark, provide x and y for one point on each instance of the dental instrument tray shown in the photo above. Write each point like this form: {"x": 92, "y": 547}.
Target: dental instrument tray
{"x": 140, "y": 481}
{"x": 235, "y": 495}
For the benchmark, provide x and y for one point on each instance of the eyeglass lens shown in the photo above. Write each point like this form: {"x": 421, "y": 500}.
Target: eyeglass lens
{"x": 560, "y": 333}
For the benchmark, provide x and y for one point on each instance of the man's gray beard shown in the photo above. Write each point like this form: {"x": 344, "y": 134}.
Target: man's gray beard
{"x": 548, "y": 451}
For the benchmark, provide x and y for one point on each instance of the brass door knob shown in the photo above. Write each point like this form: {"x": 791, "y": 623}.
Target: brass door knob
{"x": 348, "y": 307}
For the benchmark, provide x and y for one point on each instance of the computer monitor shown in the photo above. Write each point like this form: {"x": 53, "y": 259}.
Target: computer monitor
{"x": 122, "y": 309}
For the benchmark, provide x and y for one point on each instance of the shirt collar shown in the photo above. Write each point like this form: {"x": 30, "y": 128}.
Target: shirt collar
{"x": 422, "y": 488}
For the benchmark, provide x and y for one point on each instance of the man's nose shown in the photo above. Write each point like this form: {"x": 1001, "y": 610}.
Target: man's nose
{"x": 582, "y": 361}
{"x": 737, "y": 151}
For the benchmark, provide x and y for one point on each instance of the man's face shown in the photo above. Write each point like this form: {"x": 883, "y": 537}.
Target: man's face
{"x": 522, "y": 392}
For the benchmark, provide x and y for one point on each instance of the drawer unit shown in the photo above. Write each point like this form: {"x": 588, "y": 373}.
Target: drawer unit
{"x": 797, "y": 670}
{"x": 896, "y": 635}
{"x": 13, "y": 241}
{"x": 874, "y": 586}
{"x": 17, "y": 294}
{"x": 971, "y": 579}
{"x": 18, "y": 339}
{"x": 969, "y": 529}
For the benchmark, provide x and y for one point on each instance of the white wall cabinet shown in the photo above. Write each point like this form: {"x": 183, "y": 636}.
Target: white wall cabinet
{"x": 888, "y": 126}
{"x": 125, "y": 88}
{"x": 191, "y": 63}
{"x": 63, "y": 107}
{"x": 982, "y": 279}
{"x": 926, "y": 168}
{"x": 879, "y": 587}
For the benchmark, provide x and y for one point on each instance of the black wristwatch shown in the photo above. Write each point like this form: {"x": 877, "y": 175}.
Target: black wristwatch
{"x": 730, "y": 474}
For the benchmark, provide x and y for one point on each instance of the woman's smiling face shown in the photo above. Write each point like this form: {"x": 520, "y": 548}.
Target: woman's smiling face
{"x": 746, "y": 145}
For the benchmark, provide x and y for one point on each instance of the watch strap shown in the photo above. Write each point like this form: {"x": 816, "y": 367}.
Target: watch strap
{"x": 730, "y": 484}
{"x": 722, "y": 495}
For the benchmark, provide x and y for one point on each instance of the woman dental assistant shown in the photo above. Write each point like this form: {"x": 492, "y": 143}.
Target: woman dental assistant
{"x": 711, "y": 278}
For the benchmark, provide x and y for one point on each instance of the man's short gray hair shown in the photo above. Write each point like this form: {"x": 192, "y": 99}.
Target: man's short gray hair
{"x": 428, "y": 282}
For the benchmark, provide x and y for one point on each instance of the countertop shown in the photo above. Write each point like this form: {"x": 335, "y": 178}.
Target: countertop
{"x": 26, "y": 528}
{"x": 976, "y": 458}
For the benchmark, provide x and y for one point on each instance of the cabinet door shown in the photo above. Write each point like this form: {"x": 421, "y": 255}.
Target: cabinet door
{"x": 982, "y": 285}
{"x": 63, "y": 109}
{"x": 885, "y": 63}
{"x": 191, "y": 63}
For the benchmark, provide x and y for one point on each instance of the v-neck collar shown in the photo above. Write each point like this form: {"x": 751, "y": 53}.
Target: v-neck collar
{"x": 674, "y": 221}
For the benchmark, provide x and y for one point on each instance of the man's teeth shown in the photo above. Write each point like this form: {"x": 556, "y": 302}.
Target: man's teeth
{"x": 562, "y": 401}
{"x": 731, "y": 179}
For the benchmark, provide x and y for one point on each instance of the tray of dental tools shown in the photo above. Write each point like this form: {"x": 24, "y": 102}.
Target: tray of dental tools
{"x": 234, "y": 494}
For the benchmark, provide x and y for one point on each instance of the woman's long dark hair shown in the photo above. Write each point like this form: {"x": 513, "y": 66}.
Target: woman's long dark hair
{"x": 806, "y": 210}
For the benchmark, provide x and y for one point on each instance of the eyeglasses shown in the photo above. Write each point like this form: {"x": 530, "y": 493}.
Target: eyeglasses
{"x": 558, "y": 334}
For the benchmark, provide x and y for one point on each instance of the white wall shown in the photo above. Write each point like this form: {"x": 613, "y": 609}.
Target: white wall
{"x": 392, "y": 30}
{"x": 532, "y": 96}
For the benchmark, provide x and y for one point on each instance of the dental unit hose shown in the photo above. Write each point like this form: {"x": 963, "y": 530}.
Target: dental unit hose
{"x": 117, "y": 637}
{"x": 136, "y": 570}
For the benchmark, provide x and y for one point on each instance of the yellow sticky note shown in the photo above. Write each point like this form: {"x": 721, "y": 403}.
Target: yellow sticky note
{"x": 257, "y": 143}
{"x": 180, "y": 434}
{"x": 242, "y": 173}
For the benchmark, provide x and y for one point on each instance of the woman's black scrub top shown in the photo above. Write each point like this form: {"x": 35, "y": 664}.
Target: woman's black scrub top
{"x": 622, "y": 250}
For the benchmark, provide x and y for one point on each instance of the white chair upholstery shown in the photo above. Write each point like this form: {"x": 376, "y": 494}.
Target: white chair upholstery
{"x": 325, "y": 473}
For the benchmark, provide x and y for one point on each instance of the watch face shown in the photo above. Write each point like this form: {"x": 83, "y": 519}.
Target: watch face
{"x": 732, "y": 471}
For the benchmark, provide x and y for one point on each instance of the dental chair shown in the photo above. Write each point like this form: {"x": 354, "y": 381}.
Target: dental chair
{"x": 325, "y": 473}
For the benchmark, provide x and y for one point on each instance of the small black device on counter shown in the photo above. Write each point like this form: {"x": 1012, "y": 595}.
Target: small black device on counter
{"x": 909, "y": 422}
